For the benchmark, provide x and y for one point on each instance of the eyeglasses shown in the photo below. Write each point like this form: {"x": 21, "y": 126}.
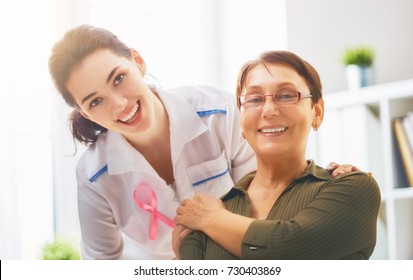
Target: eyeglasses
{"x": 284, "y": 97}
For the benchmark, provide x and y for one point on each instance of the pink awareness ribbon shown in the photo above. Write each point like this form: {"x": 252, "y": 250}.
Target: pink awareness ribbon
{"x": 151, "y": 208}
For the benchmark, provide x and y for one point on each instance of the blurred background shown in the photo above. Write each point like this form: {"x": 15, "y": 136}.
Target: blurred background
{"x": 184, "y": 42}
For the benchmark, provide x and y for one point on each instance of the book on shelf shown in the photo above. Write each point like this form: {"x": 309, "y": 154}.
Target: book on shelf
{"x": 404, "y": 146}
{"x": 408, "y": 128}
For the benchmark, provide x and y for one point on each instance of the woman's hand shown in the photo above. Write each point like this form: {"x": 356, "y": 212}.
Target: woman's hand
{"x": 208, "y": 214}
{"x": 337, "y": 169}
{"x": 178, "y": 234}
{"x": 195, "y": 213}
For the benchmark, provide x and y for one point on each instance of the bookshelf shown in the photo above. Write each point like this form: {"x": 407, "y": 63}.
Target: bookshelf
{"x": 358, "y": 129}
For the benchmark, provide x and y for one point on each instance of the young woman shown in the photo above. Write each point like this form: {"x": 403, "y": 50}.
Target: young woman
{"x": 148, "y": 148}
{"x": 289, "y": 208}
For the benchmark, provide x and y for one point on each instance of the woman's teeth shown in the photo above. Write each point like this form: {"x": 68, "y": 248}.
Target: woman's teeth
{"x": 131, "y": 114}
{"x": 273, "y": 130}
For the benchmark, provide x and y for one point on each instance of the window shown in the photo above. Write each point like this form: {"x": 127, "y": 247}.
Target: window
{"x": 184, "y": 42}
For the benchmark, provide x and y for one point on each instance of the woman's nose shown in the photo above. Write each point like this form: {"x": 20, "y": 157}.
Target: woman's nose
{"x": 119, "y": 102}
{"x": 270, "y": 108}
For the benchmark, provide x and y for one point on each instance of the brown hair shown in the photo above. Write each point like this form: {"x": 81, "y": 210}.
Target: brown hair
{"x": 68, "y": 53}
{"x": 302, "y": 67}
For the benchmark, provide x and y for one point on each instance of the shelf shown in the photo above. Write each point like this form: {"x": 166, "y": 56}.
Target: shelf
{"x": 368, "y": 95}
{"x": 403, "y": 193}
{"x": 359, "y": 122}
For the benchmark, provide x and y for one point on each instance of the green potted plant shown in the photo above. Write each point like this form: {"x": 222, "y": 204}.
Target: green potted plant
{"x": 358, "y": 62}
{"x": 60, "y": 249}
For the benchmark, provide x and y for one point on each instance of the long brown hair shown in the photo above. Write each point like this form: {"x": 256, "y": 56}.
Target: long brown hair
{"x": 68, "y": 53}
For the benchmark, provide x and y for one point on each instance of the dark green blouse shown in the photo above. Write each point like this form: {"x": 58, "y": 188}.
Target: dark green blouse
{"x": 316, "y": 217}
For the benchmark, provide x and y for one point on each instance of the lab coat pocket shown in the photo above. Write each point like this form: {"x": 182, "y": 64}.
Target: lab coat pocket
{"x": 212, "y": 177}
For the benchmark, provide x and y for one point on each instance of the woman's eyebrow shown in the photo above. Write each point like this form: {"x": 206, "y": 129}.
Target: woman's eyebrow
{"x": 88, "y": 97}
{"x": 112, "y": 73}
{"x": 107, "y": 81}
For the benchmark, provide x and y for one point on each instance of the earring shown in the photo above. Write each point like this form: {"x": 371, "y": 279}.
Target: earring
{"x": 315, "y": 127}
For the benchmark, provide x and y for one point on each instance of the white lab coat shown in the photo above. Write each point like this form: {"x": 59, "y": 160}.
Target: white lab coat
{"x": 209, "y": 154}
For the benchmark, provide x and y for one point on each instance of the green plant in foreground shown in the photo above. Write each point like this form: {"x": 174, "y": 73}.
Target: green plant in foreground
{"x": 60, "y": 250}
{"x": 362, "y": 56}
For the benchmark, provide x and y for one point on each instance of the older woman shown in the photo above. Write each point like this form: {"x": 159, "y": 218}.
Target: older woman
{"x": 289, "y": 208}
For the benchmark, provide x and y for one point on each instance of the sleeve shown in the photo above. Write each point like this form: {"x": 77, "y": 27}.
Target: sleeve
{"x": 340, "y": 221}
{"x": 101, "y": 238}
{"x": 241, "y": 155}
{"x": 192, "y": 247}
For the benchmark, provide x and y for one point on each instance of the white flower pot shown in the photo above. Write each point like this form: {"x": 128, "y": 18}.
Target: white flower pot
{"x": 359, "y": 76}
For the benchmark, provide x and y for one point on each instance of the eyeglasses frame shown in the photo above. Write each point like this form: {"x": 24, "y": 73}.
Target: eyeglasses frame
{"x": 300, "y": 97}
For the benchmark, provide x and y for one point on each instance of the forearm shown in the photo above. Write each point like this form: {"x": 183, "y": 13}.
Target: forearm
{"x": 227, "y": 234}
{"x": 209, "y": 215}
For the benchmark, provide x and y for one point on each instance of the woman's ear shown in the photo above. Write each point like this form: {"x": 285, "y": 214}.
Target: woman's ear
{"x": 139, "y": 61}
{"x": 319, "y": 114}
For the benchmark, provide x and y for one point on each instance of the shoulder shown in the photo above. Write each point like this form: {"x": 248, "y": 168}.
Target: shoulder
{"x": 359, "y": 184}
{"x": 356, "y": 177}
{"x": 350, "y": 179}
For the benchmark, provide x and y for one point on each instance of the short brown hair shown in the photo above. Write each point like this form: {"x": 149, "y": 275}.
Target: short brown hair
{"x": 302, "y": 67}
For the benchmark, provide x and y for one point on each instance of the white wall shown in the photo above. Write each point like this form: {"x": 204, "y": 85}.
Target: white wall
{"x": 320, "y": 30}
{"x": 26, "y": 187}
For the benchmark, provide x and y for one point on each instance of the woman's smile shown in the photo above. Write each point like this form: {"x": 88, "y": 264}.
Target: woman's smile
{"x": 130, "y": 116}
{"x": 273, "y": 130}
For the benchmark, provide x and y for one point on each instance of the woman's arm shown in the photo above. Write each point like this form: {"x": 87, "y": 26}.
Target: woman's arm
{"x": 179, "y": 233}
{"x": 193, "y": 246}
{"x": 208, "y": 214}
{"x": 339, "y": 223}
{"x": 339, "y": 220}
{"x": 101, "y": 238}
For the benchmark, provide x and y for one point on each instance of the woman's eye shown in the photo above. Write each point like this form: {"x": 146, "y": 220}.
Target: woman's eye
{"x": 95, "y": 102}
{"x": 118, "y": 79}
{"x": 256, "y": 99}
{"x": 286, "y": 95}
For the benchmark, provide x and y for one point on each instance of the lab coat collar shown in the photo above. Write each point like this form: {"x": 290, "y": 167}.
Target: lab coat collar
{"x": 184, "y": 122}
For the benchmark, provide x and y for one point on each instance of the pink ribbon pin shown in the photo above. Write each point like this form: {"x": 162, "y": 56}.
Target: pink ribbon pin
{"x": 151, "y": 208}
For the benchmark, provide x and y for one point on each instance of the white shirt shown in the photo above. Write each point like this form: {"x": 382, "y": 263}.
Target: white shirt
{"x": 209, "y": 154}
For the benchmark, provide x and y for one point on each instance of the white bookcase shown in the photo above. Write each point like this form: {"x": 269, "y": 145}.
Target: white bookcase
{"x": 357, "y": 129}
